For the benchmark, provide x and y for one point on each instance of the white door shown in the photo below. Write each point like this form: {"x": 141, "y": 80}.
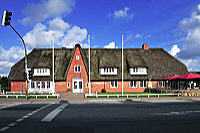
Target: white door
{"x": 77, "y": 85}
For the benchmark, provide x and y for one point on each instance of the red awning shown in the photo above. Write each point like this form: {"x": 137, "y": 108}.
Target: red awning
{"x": 189, "y": 76}
{"x": 172, "y": 77}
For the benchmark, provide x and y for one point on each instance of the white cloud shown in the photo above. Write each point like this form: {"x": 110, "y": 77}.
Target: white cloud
{"x": 58, "y": 24}
{"x": 110, "y": 45}
{"x": 95, "y": 46}
{"x": 74, "y": 35}
{"x": 191, "y": 25}
{"x": 65, "y": 35}
{"x": 139, "y": 35}
{"x": 46, "y": 9}
{"x": 129, "y": 37}
{"x": 174, "y": 50}
{"x": 8, "y": 58}
{"x": 122, "y": 14}
{"x": 192, "y": 64}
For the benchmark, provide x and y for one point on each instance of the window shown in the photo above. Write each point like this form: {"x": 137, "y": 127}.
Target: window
{"x": 87, "y": 85}
{"x": 138, "y": 71}
{"x": 41, "y": 72}
{"x": 43, "y": 84}
{"x": 80, "y": 85}
{"x": 143, "y": 84}
{"x": 77, "y": 57}
{"x": 32, "y": 84}
{"x": 68, "y": 85}
{"x": 77, "y": 68}
{"x": 113, "y": 84}
{"x": 48, "y": 84}
{"x": 108, "y": 71}
{"x": 38, "y": 85}
{"x": 133, "y": 84}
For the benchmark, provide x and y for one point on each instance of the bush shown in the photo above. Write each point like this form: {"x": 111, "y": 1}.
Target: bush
{"x": 103, "y": 90}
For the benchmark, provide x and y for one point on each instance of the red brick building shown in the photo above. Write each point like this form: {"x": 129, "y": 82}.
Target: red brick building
{"x": 143, "y": 67}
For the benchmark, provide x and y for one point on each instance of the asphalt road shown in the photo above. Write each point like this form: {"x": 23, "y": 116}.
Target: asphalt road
{"x": 129, "y": 116}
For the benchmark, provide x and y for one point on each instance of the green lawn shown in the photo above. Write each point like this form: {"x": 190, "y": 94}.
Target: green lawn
{"x": 127, "y": 93}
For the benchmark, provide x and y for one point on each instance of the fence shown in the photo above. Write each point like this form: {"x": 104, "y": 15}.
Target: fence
{"x": 22, "y": 95}
{"x": 131, "y": 95}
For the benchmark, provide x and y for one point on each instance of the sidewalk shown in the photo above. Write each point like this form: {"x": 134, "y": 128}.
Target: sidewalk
{"x": 79, "y": 98}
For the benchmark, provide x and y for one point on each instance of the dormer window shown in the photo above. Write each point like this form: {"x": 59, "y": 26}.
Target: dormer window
{"x": 108, "y": 71}
{"x": 138, "y": 71}
{"x": 41, "y": 72}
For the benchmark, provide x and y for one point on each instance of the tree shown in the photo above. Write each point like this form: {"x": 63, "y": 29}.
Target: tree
{"x": 4, "y": 82}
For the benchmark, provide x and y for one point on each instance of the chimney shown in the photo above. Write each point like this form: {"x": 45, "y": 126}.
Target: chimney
{"x": 145, "y": 46}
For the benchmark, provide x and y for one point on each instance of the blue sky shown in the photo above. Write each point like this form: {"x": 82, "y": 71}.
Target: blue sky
{"x": 172, "y": 25}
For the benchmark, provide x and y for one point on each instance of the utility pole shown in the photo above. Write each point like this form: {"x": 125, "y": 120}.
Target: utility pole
{"x": 89, "y": 91}
{"x": 122, "y": 64}
{"x": 53, "y": 84}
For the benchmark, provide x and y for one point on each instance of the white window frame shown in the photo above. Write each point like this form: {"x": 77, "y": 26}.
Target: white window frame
{"x": 68, "y": 84}
{"x": 77, "y": 66}
{"x": 48, "y": 84}
{"x": 32, "y": 85}
{"x": 134, "y": 82}
{"x": 41, "y": 72}
{"x": 114, "y": 84}
{"x": 108, "y": 71}
{"x": 77, "y": 57}
{"x": 144, "y": 85}
{"x": 138, "y": 71}
{"x": 87, "y": 85}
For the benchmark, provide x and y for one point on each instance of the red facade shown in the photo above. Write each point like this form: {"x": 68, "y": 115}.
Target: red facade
{"x": 77, "y": 78}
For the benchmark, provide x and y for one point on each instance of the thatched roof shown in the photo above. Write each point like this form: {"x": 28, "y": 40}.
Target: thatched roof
{"x": 158, "y": 62}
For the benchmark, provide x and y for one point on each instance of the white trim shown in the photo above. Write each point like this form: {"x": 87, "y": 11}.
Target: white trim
{"x": 87, "y": 85}
{"x": 108, "y": 71}
{"x": 133, "y": 83}
{"x": 77, "y": 57}
{"x": 41, "y": 72}
{"x": 144, "y": 85}
{"x": 114, "y": 84}
{"x": 77, "y": 90}
{"x": 68, "y": 84}
{"x": 77, "y": 68}
{"x": 138, "y": 71}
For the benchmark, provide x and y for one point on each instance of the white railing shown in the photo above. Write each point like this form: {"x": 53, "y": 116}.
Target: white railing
{"x": 29, "y": 93}
{"x": 32, "y": 96}
{"x": 131, "y": 95}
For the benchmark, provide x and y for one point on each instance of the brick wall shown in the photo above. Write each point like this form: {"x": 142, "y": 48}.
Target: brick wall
{"x": 61, "y": 87}
{"x": 83, "y": 74}
{"x": 15, "y": 86}
{"x": 99, "y": 85}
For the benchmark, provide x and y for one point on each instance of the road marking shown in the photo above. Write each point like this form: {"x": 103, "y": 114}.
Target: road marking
{"x": 178, "y": 113}
{"x": 54, "y": 113}
{"x": 12, "y": 124}
{"x": 3, "y": 129}
{"x": 30, "y": 114}
{"x": 24, "y": 117}
{"x": 20, "y": 120}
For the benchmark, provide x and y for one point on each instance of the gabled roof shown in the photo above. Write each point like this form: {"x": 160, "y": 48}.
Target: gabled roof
{"x": 158, "y": 62}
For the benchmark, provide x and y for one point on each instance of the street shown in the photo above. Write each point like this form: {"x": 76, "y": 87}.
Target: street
{"x": 128, "y": 116}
